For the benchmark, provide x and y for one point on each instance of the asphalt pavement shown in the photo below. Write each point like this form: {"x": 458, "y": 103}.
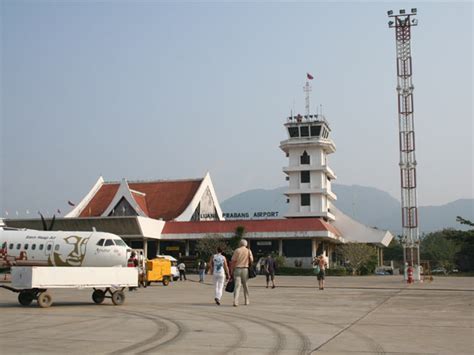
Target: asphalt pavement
{"x": 352, "y": 315}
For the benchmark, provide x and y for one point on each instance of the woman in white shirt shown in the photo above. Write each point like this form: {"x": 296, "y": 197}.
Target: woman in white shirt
{"x": 220, "y": 272}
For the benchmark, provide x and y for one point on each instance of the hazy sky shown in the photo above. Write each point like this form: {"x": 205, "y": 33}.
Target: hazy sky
{"x": 155, "y": 90}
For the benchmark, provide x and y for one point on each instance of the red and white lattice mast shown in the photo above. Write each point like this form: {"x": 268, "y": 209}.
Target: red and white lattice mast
{"x": 411, "y": 241}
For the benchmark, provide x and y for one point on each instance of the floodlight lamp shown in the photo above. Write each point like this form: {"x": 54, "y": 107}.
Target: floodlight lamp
{"x": 390, "y": 23}
{"x": 402, "y": 11}
{"x": 414, "y": 22}
{"x": 413, "y": 11}
{"x": 389, "y": 12}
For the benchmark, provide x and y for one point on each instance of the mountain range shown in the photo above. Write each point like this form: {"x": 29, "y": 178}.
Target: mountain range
{"x": 368, "y": 205}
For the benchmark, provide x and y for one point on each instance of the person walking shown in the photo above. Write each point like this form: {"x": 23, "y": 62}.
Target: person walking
{"x": 133, "y": 262}
{"x": 220, "y": 273}
{"x": 202, "y": 270}
{"x": 269, "y": 267}
{"x": 182, "y": 271}
{"x": 321, "y": 263}
{"x": 241, "y": 259}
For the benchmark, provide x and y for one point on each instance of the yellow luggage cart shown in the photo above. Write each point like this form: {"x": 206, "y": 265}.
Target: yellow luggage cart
{"x": 158, "y": 270}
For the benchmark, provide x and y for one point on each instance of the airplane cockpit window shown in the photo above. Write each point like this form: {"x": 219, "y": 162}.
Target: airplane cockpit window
{"x": 100, "y": 242}
{"x": 120, "y": 242}
{"x": 18, "y": 246}
{"x": 49, "y": 247}
{"x": 56, "y": 247}
{"x": 10, "y": 246}
{"x": 26, "y": 247}
{"x": 33, "y": 246}
{"x": 41, "y": 246}
{"x": 109, "y": 242}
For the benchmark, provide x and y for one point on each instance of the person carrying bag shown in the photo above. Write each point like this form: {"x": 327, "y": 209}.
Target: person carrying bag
{"x": 241, "y": 260}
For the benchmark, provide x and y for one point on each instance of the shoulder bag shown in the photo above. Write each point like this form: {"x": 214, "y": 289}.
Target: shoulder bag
{"x": 230, "y": 286}
{"x": 252, "y": 270}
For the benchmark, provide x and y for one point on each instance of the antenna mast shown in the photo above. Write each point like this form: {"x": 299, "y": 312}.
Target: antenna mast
{"x": 411, "y": 242}
{"x": 307, "y": 90}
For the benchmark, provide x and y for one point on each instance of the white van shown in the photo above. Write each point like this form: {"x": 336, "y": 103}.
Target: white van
{"x": 174, "y": 263}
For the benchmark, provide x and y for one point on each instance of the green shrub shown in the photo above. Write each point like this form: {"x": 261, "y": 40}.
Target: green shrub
{"x": 337, "y": 271}
{"x": 292, "y": 271}
{"x": 280, "y": 261}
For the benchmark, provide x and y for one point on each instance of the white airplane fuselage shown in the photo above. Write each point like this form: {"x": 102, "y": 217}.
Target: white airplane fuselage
{"x": 28, "y": 247}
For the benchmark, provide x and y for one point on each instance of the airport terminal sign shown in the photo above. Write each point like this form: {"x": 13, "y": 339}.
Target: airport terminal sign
{"x": 242, "y": 215}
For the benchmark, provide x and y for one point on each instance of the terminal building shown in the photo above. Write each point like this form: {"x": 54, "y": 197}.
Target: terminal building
{"x": 170, "y": 216}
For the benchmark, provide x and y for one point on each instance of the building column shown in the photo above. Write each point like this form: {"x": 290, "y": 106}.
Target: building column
{"x": 314, "y": 248}
{"x": 145, "y": 247}
{"x": 381, "y": 256}
{"x": 158, "y": 248}
{"x": 280, "y": 247}
{"x": 186, "y": 247}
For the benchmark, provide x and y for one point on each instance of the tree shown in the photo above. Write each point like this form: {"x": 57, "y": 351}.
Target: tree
{"x": 394, "y": 251}
{"x": 464, "y": 221}
{"x": 465, "y": 256}
{"x": 235, "y": 240}
{"x": 357, "y": 255}
{"x": 440, "y": 248}
{"x": 208, "y": 245}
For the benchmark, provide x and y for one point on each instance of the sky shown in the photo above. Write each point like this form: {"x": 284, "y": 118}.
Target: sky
{"x": 172, "y": 90}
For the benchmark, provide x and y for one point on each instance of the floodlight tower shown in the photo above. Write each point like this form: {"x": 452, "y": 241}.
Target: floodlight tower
{"x": 411, "y": 242}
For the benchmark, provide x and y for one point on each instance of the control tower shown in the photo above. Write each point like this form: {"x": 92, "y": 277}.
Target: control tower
{"x": 308, "y": 172}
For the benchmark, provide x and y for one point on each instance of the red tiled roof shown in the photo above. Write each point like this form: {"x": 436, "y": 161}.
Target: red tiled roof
{"x": 141, "y": 201}
{"x": 268, "y": 225}
{"x": 163, "y": 199}
{"x": 100, "y": 201}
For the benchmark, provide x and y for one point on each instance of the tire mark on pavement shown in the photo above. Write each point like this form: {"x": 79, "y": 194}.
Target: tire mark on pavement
{"x": 304, "y": 341}
{"x": 280, "y": 337}
{"x": 371, "y": 342}
{"x": 241, "y": 334}
{"x": 161, "y": 330}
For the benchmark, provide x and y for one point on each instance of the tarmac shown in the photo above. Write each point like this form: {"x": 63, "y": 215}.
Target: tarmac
{"x": 352, "y": 315}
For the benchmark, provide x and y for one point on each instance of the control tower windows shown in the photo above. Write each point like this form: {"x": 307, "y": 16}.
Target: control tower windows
{"x": 315, "y": 131}
{"x": 304, "y": 131}
{"x": 305, "y": 159}
{"x": 305, "y": 200}
{"x": 305, "y": 177}
{"x": 293, "y": 132}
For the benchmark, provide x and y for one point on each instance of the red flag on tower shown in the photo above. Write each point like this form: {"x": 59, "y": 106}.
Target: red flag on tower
{"x": 309, "y": 76}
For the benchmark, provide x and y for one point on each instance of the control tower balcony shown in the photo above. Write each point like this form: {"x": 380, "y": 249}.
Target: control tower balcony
{"x": 325, "y": 168}
{"x": 322, "y": 191}
{"x": 327, "y": 144}
{"x": 303, "y": 214}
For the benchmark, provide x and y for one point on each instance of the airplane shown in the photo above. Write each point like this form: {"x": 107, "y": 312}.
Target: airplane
{"x": 28, "y": 247}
